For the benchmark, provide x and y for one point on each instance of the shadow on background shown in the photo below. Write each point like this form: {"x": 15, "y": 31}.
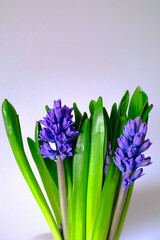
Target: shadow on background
{"x": 47, "y": 236}
{"x": 143, "y": 218}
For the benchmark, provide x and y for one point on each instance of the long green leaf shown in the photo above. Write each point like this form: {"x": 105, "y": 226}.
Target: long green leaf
{"x": 69, "y": 191}
{"x": 48, "y": 183}
{"x": 107, "y": 199}
{"x": 124, "y": 100}
{"x": 113, "y": 119}
{"x": 92, "y": 106}
{"x": 106, "y": 130}
{"x": 50, "y": 164}
{"x": 84, "y": 117}
{"x": 78, "y": 115}
{"x": 146, "y": 113}
{"x": 137, "y": 103}
{"x": 95, "y": 176}
{"x": 80, "y": 177}
{"x": 13, "y": 131}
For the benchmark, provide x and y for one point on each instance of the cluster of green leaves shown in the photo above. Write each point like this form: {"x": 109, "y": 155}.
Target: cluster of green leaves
{"x": 91, "y": 202}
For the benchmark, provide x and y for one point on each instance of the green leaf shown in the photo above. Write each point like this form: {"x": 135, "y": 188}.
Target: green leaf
{"x": 78, "y": 116}
{"x": 108, "y": 194}
{"x": 68, "y": 165}
{"x": 13, "y": 131}
{"x": 38, "y": 128}
{"x": 47, "y": 108}
{"x": 48, "y": 183}
{"x": 50, "y": 164}
{"x": 84, "y": 117}
{"x": 137, "y": 103}
{"x": 107, "y": 128}
{"x": 95, "y": 176}
{"x": 113, "y": 119}
{"x": 92, "y": 106}
{"x": 80, "y": 177}
{"x": 146, "y": 113}
{"x": 122, "y": 120}
{"x": 125, "y": 99}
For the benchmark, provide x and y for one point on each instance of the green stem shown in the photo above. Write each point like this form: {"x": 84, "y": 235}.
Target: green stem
{"x": 118, "y": 210}
{"x": 62, "y": 195}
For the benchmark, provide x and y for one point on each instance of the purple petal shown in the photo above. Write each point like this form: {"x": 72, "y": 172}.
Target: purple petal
{"x": 122, "y": 142}
{"x": 47, "y": 151}
{"x": 59, "y": 114}
{"x": 137, "y": 174}
{"x": 119, "y": 153}
{"x": 46, "y": 135}
{"x": 131, "y": 127}
{"x": 119, "y": 164}
{"x": 126, "y": 133}
{"x": 137, "y": 122}
{"x": 57, "y": 104}
{"x": 139, "y": 158}
{"x": 143, "y": 129}
{"x": 60, "y": 138}
{"x": 146, "y": 162}
{"x": 146, "y": 144}
{"x": 126, "y": 182}
{"x": 138, "y": 139}
{"x": 129, "y": 162}
{"x": 131, "y": 152}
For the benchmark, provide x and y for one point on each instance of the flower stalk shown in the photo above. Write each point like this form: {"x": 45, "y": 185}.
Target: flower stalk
{"x": 62, "y": 195}
{"x": 118, "y": 210}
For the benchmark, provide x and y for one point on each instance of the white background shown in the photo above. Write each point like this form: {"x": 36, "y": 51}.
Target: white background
{"x": 77, "y": 51}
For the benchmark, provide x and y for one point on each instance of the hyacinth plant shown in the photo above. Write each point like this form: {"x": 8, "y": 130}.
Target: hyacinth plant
{"x": 87, "y": 165}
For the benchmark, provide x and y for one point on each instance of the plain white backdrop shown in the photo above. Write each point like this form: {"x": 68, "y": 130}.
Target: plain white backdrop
{"x": 77, "y": 51}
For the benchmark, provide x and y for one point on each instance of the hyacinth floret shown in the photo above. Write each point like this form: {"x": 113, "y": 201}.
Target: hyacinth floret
{"x": 59, "y": 129}
{"x": 128, "y": 156}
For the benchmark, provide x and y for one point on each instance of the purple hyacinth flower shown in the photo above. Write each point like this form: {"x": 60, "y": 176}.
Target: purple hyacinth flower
{"x": 126, "y": 182}
{"x": 59, "y": 129}
{"x": 47, "y": 151}
{"x": 128, "y": 157}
